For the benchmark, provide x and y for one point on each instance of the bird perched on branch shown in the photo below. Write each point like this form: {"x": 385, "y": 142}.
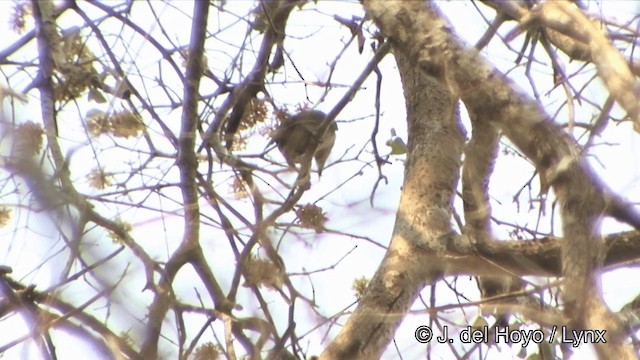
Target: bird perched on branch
{"x": 297, "y": 135}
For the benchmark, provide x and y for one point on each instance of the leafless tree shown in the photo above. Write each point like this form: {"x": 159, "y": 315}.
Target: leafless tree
{"x": 145, "y": 213}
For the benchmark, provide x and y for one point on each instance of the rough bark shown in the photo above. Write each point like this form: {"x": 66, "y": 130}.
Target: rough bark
{"x": 420, "y": 34}
{"x": 422, "y": 232}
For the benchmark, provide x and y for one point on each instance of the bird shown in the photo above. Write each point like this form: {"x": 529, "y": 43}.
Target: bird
{"x": 297, "y": 136}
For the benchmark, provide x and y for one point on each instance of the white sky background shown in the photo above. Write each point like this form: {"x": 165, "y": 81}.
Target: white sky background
{"x": 348, "y": 207}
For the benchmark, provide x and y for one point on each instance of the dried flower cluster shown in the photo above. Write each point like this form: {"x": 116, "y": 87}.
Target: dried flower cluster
{"x": 98, "y": 179}
{"x": 74, "y": 65}
{"x": 18, "y": 20}
{"x": 360, "y": 286}
{"x": 5, "y": 215}
{"x": 311, "y": 217}
{"x": 122, "y": 124}
{"x": 28, "y": 140}
{"x": 259, "y": 272}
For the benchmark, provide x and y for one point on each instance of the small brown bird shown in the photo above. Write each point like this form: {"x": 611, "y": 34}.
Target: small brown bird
{"x": 297, "y": 134}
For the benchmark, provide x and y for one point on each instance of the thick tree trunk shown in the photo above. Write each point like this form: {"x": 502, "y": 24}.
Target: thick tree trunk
{"x": 422, "y": 232}
{"x": 426, "y": 49}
